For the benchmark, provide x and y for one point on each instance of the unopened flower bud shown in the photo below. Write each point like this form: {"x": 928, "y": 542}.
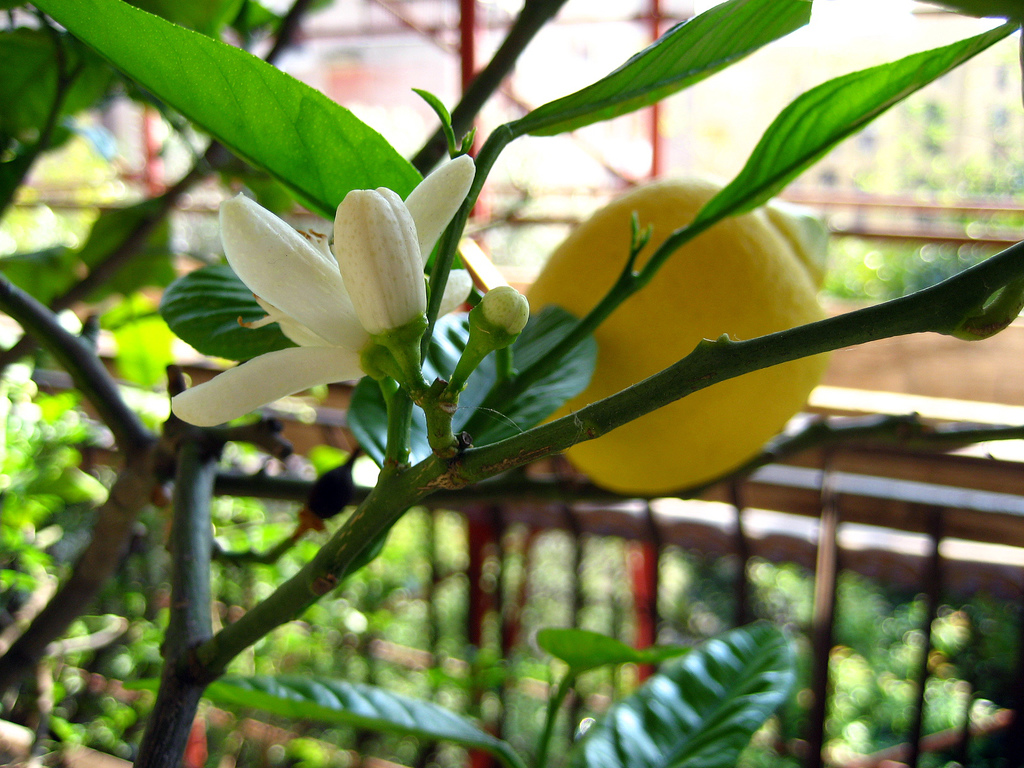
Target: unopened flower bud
{"x": 494, "y": 324}
{"x": 379, "y": 255}
{"x": 505, "y": 310}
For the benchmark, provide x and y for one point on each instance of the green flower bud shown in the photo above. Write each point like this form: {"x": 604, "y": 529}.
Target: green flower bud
{"x": 494, "y": 324}
{"x": 501, "y": 314}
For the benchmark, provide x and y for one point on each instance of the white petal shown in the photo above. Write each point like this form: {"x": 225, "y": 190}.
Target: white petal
{"x": 295, "y": 330}
{"x": 375, "y": 241}
{"x": 262, "y": 380}
{"x": 283, "y": 268}
{"x": 460, "y": 283}
{"x": 437, "y": 198}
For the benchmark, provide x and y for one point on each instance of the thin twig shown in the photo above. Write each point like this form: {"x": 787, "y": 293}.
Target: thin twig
{"x": 65, "y": 79}
{"x": 287, "y": 30}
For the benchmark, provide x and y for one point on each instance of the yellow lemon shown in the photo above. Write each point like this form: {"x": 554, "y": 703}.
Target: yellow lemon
{"x": 747, "y": 276}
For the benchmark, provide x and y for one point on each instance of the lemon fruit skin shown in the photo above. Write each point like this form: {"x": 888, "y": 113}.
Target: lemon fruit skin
{"x": 746, "y": 276}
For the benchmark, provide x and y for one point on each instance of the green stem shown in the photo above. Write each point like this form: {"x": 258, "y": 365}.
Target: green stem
{"x": 439, "y": 411}
{"x": 472, "y": 355}
{"x": 399, "y": 405}
{"x": 331, "y": 564}
{"x": 942, "y": 308}
{"x": 504, "y": 363}
{"x": 449, "y": 241}
{"x": 79, "y": 360}
{"x": 551, "y": 717}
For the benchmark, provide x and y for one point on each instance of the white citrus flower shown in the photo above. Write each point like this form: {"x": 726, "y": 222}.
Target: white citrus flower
{"x": 330, "y": 303}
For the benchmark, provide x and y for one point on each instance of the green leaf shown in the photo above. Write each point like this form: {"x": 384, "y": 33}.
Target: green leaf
{"x": 363, "y": 706}
{"x": 1005, "y": 9}
{"x": 821, "y": 118}
{"x": 584, "y": 650}
{"x": 686, "y": 54}
{"x": 492, "y": 417}
{"x": 318, "y": 148}
{"x": 442, "y": 114}
{"x": 203, "y": 309}
{"x": 701, "y": 711}
{"x": 29, "y": 84}
{"x": 254, "y": 16}
{"x": 42, "y": 274}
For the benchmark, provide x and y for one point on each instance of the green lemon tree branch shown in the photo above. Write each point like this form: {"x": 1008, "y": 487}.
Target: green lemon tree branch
{"x": 939, "y": 309}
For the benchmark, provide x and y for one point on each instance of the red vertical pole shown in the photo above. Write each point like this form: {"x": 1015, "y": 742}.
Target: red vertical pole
{"x": 481, "y": 538}
{"x": 482, "y": 535}
{"x": 467, "y": 41}
{"x": 657, "y": 161}
{"x": 467, "y": 71}
{"x": 643, "y": 571}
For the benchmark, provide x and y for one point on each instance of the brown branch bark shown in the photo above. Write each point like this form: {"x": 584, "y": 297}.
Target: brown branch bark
{"x": 182, "y": 683}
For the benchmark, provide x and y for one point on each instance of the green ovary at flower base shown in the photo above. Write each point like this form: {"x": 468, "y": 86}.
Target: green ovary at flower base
{"x": 330, "y": 303}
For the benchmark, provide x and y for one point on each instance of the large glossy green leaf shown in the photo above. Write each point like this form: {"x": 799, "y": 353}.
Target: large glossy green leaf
{"x": 203, "y": 308}
{"x": 821, "y": 118}
{"x": 364, "y": 706}
{"x": 584, "y": 650}
{"x": 686, "y": 54}
{"x": 318, "y": 148}
{"x": 699, "y": 712}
